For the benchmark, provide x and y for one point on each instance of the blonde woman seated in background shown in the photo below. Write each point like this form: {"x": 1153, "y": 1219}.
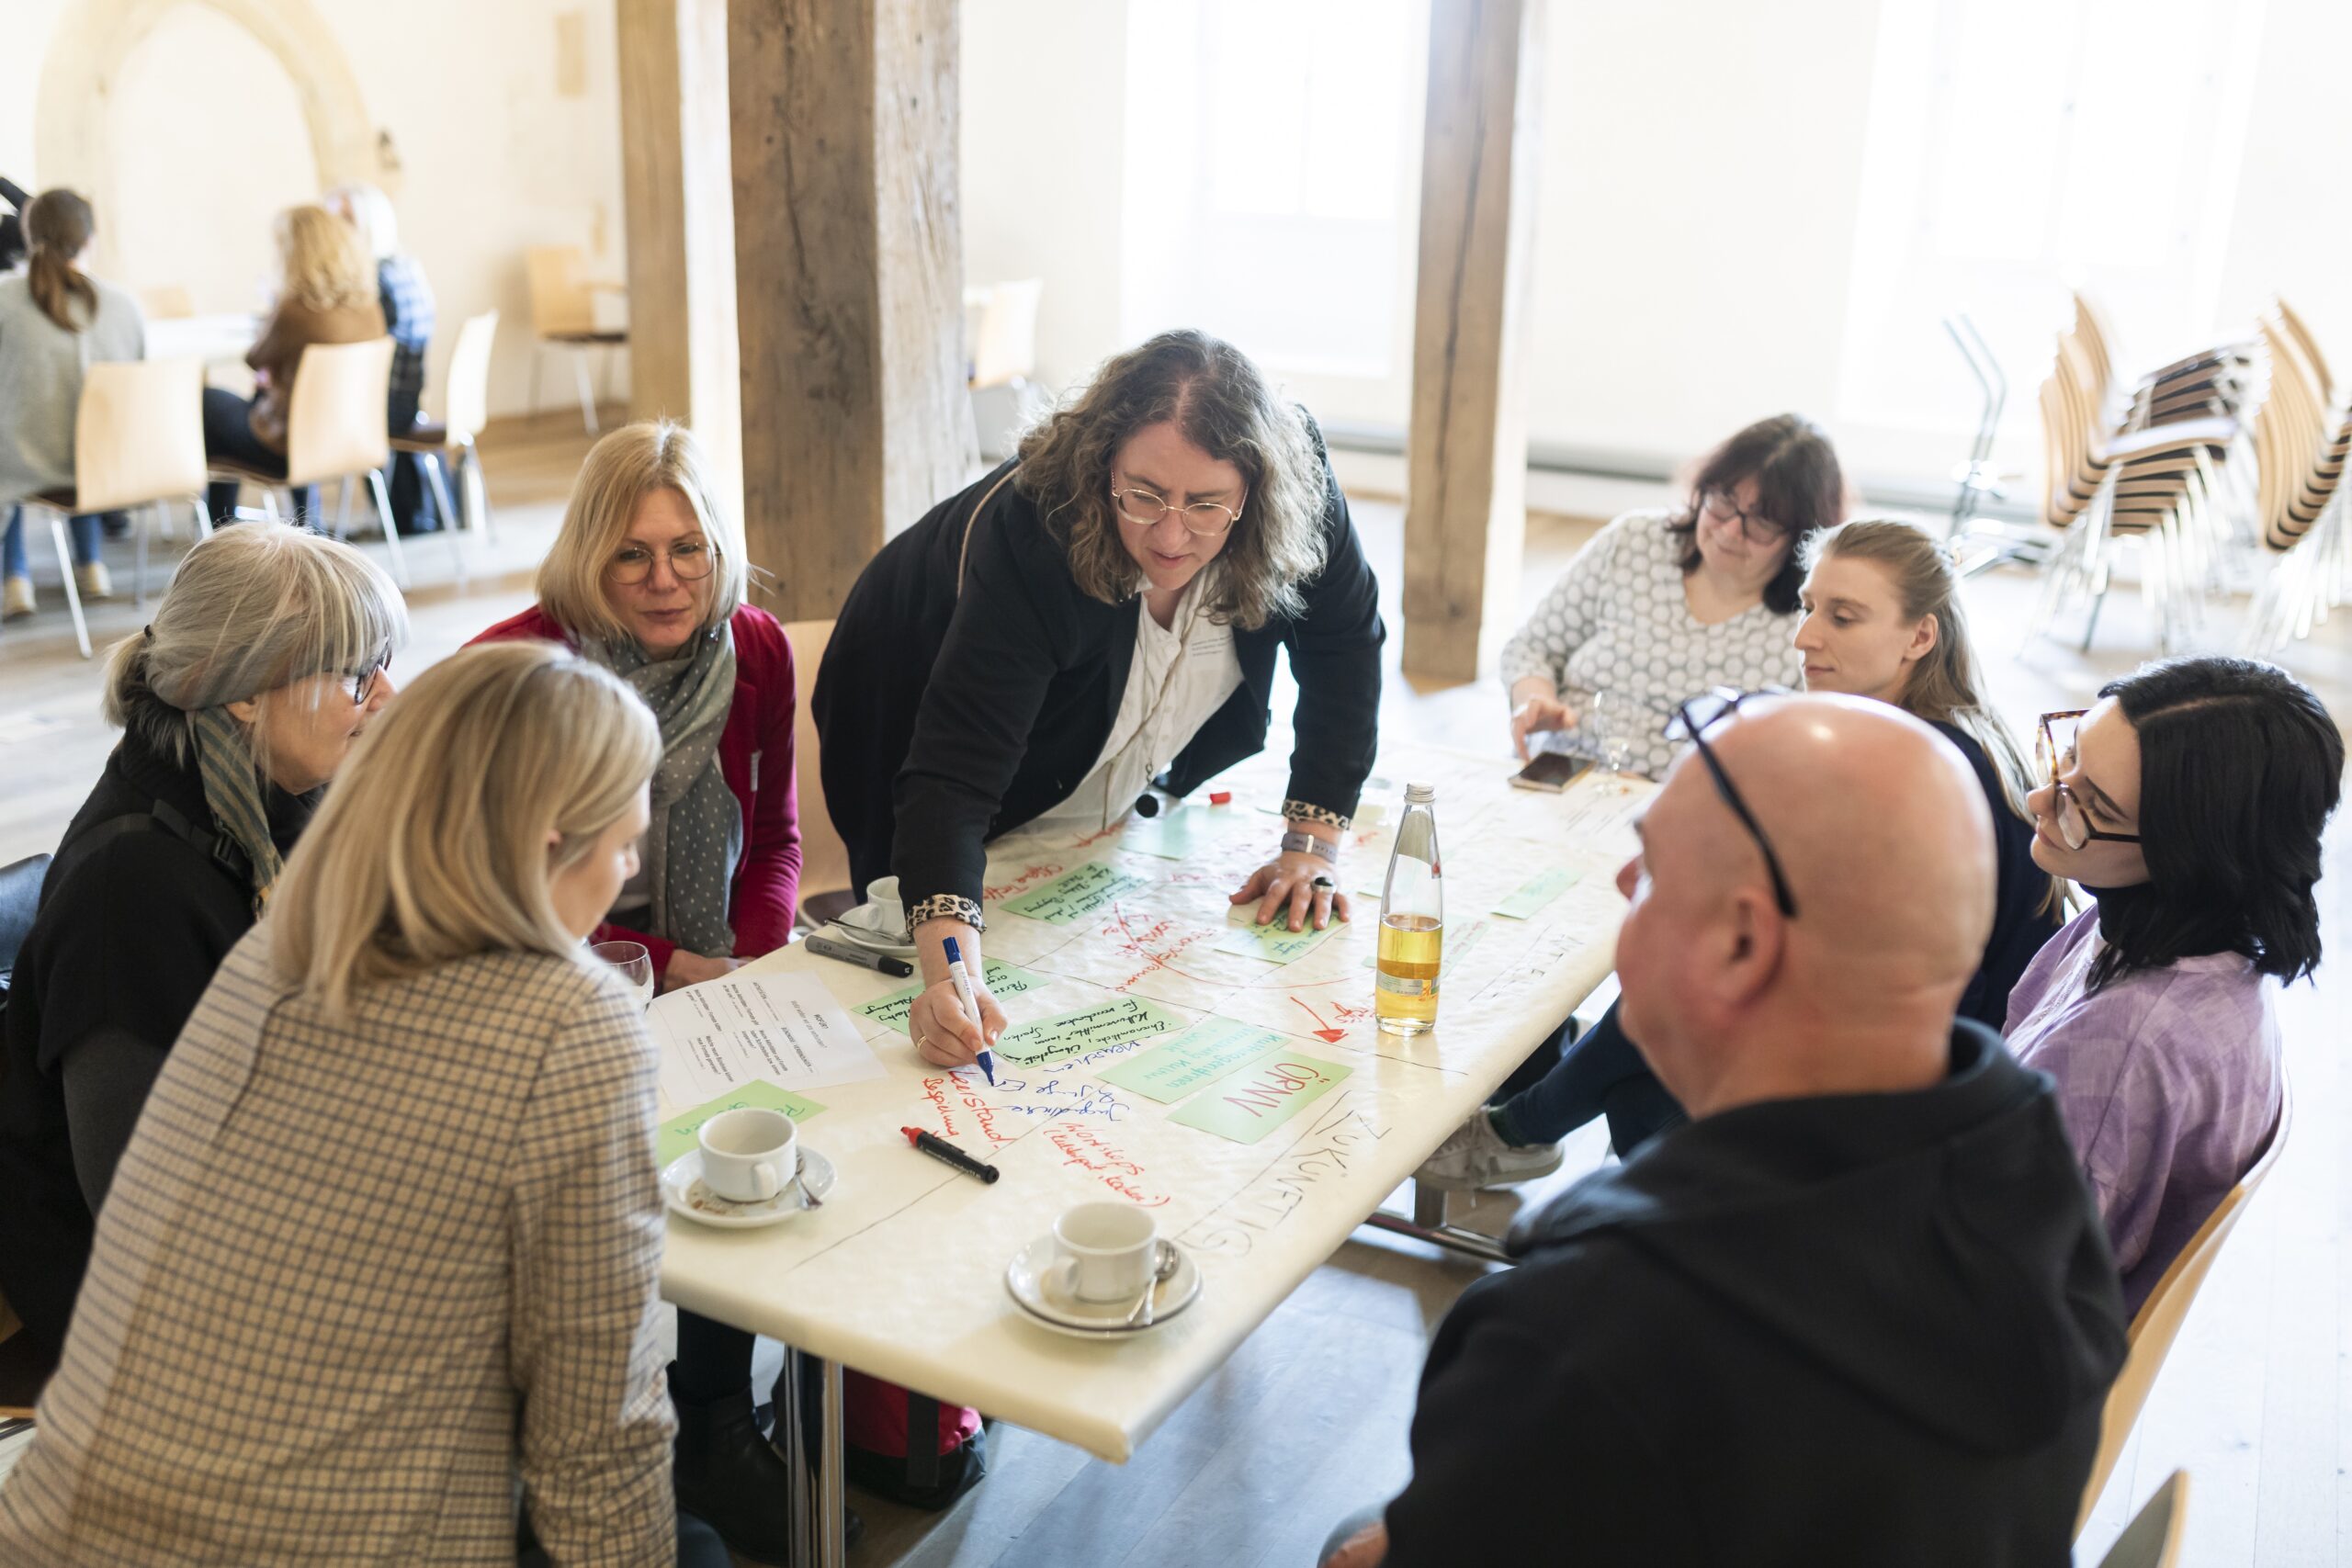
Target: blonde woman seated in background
{"x": 1881, "y": 619}
{"x": 268, "y": 656}
{"x": 55, "y": 322}
{"x": 326, "y": 294}
{"x": 387, "y": 1239}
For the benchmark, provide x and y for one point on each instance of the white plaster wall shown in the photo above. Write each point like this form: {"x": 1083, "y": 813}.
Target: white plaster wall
{"x": 494, "y": 159}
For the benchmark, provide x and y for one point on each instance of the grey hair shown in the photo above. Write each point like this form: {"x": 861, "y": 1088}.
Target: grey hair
{"x": 254, "y": 607}
{"x": 370, "y": 210}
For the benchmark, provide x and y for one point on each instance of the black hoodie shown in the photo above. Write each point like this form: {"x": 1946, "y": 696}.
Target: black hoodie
{"x": 1856, "y": 1329}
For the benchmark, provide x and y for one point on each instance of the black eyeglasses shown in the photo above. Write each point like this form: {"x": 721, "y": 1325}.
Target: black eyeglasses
{"x": 1690, "y": 723}
{"x": 363, "y": 681}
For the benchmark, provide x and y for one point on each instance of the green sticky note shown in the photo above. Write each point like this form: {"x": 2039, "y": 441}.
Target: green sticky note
{"x": 1002, "y": 979}
{"x": 1167, "y": 835}
{"x": 1075, "y": 894}
{"x": 1199, "y": 1056}
{"x": 677, "y": 1136}
{"x": 1248, "y": 1105}
{"x": 1275, "y": 941}
{"x": 1073, "y": 1035}
{"x": 1534, "y": 894}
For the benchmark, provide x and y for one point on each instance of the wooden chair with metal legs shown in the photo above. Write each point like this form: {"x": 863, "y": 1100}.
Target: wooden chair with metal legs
{"x": 447, "y": 448}
{"x": 563, "y": 315}
{"x": 2322, "y": 380}
{"x": 2157, "y": 1323}
{"x": 138, "y": 443}
{"x": 2152, "y": 1537}
{"x": 825, "y": 890}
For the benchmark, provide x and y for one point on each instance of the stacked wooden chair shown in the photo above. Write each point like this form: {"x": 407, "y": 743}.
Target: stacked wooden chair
{"x": 2301, "y": 436}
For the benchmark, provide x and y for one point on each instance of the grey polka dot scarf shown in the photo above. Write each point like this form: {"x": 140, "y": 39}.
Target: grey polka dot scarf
{"x": 696, "y": 835}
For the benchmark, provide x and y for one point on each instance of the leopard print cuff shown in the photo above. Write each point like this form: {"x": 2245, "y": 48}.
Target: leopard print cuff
{"x": 1299, "y": 811}
{"x": 945, "y": 906}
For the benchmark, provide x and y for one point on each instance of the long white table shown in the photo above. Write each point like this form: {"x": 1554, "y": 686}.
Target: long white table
{"x": 217, "y": 339}
{"x": 900, "y": 1274}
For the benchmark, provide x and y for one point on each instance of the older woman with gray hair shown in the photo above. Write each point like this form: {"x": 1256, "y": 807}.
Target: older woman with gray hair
{"x": 266, "y": 659}
{"x": 1099, "y": 615}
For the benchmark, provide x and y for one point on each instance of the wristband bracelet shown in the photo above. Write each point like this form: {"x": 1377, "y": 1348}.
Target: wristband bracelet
{"x": 943, "y": 907}
{"x": 1323, "y": 849}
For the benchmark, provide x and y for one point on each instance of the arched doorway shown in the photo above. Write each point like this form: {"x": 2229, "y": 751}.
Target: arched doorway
{"x": 73, "y": 116}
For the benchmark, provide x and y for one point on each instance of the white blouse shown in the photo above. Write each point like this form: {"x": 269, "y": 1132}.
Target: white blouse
{"x": 1182, "y": 674}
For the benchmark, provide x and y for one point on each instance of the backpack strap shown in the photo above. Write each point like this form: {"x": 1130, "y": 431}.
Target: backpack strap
{"x": 965, "y": 554}
{"x": 160, "y": 816}
{"x": 923, "y": 1438}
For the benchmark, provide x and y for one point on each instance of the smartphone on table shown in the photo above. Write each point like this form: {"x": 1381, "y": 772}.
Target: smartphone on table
{"x": 1553, "y": 771}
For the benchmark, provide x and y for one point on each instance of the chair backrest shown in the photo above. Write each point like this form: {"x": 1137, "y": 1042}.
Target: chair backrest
{"x": 20, "y": 896}
{"x": 2323, "y": 382}
{"x": 2158, "y": 1322}
{"x": 2097, "y": 350}
{"x": 561, "y": 300}
{"x": 2290, "y": 428}
{"x": 2152, "y": 1537}
{"x": 464, "y": 405}
{"x": 335, "y": 424}
{"x": 166, "y": 302}
{"x": 138, "y": 434}
{"x": 824, "y": 859}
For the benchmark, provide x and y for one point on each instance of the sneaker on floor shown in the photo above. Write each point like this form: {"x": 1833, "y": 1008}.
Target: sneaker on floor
{"x": 16, "y": 599}
{"x": 94, "y": 583}
{"x": 1475, "y": 1155}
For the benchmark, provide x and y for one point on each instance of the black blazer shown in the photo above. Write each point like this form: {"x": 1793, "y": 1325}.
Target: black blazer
{"x": 944, "y": 721}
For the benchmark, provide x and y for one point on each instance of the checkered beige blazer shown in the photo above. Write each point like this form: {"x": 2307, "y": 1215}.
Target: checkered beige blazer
{"x": 354, "y": 1280}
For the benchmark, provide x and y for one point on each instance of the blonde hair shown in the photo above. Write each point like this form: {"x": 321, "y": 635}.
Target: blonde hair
{"x": 322, "y": 262}
{"x": 434, "y": 843}
{"x": 1946, "y": 686}
{"x": 1222, "y": 404}
{"x": 622, "y": 469}
{"x": 251, "y": 610}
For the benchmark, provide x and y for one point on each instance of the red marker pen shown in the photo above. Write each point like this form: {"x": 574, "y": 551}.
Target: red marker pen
{"x": 947, "y": 1153}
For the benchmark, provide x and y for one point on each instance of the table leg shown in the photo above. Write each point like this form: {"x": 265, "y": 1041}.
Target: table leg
{"x": 1429, "y": 1224}
{"x": 832, "y": 1506}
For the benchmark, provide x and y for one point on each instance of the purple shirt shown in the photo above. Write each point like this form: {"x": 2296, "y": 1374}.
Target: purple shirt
{"x": 2168, "y": 1080}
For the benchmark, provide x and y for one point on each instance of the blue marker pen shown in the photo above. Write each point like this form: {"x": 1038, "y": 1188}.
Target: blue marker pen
{"x": 957, "y": 973}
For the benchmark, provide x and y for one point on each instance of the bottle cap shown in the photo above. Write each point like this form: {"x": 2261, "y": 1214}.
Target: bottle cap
{"x": 1419, "y": 794}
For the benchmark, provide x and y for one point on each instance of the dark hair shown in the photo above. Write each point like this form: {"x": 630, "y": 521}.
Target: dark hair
{"x": 2240, "y": 766}
{"x": 1798, "y": 485}
{"x": 58, "y": 224}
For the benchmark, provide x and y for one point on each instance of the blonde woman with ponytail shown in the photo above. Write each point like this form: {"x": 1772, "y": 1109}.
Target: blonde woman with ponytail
{"x": 55, "y": 320}
{"x": 266, "y": 659}
{"x": 386, "y": 1246}
{"x": 1880, "y": 618}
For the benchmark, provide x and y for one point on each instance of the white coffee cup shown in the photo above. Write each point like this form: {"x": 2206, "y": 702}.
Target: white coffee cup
{"x": 1107, "y": 1252}
{"x": 749, "y": 1154}
{"x": 890, "y": 913}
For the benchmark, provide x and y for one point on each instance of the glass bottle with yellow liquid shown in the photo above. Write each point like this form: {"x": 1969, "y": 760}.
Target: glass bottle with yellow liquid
{"x": 1412, "y": 920}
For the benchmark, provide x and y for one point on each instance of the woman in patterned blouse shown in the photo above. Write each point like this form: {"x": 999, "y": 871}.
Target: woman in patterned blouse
{"x": 1661, "y": 605}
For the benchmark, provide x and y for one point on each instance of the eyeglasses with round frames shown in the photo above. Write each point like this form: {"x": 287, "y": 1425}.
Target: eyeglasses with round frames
{"x": 2054, "y": 754}
{"x": 690, "y": 561}
{"x": 1756, "y": 530}
{"x": 1143, "y": 508}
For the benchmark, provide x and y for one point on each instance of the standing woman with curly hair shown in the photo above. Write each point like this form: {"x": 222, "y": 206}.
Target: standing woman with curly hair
{"x": 1098, "y": 614}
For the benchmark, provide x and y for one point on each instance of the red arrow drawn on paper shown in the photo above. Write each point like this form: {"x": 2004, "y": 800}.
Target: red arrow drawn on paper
{"x": 1323, "y": 1032}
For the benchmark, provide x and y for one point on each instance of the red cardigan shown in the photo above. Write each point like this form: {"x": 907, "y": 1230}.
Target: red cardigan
{"x": 755, "y": 756}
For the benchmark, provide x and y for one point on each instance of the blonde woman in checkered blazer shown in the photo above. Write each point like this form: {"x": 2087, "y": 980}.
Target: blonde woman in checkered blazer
{"x": 381, "y": 1255}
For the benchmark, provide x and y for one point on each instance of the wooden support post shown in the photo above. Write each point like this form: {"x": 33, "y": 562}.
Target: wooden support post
{"x": 849, "y": 282}
{"x": 676, "y": 179}
{"x": 1465, "y": 518}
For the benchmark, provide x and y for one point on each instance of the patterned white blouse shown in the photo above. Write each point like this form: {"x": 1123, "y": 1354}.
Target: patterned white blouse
{"x": 1616, "y": 622}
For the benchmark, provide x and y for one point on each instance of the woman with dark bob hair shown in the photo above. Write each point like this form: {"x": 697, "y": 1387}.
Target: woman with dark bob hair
{"x": 1661, "y": 605}
{"x": 1096, "y": 615}
{"x": 2190, "y": 802}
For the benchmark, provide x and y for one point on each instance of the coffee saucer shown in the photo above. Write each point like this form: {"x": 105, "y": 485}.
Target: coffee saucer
{"x": 1037, "y": 1282}
{"x": 686, "y": 1192}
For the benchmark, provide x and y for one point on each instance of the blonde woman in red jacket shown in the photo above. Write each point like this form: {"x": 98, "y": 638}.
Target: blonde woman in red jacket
{"x": 647, "y": 580}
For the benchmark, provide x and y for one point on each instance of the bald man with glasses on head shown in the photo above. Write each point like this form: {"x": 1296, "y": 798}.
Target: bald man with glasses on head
{"x": 1860, "y": 1309}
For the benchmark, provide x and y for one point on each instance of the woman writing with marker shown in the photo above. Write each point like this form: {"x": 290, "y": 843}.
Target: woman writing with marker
{"x": 1099, "y": 615}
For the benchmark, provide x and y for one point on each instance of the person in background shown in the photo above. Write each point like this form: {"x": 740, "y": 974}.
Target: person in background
{"x": 381, "y": 1259}
{"x": 1883, "y": 620}
{"x": 1099, "y": 615}
{"x": 1860, "y": 1309}
{"x": 326, "y": 295}
{"x": 267, "y": 657}
{"x": 646, "y": 579}
{"x": 55, "y": 320}
{"x": 407, "y": 302}
{"x": 2188, "y": 802}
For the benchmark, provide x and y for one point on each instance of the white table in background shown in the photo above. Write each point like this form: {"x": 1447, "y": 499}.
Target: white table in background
{"x": 218, "y": 339}
{"x": 901, "y": 1273}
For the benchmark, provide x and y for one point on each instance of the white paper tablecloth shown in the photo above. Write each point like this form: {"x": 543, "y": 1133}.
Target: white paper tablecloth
{"x": 209, "y": 338}
{"x": 901, "y": 1273}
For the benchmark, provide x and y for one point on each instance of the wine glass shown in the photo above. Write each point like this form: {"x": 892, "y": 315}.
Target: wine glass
{"x": 1617, "y": 721}
{"x": 635, "y": 964}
